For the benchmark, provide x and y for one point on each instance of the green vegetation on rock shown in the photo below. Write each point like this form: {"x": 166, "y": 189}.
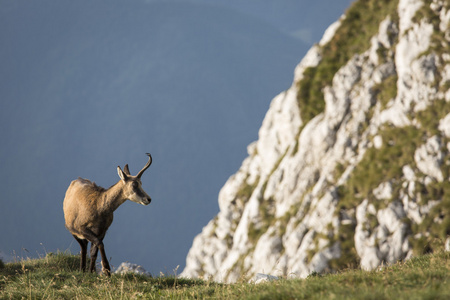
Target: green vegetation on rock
{"x": 352, "y": 37}
{"x": 380, "y": 165}
{"x": 386, "y": 90}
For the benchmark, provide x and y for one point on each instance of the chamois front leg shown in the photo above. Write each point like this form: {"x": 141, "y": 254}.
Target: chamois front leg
{"x": 83, "y": 246}
{"x": 106, "y": 269}
{"x": 97, "y": 244}
{"x": 105, "y": 264}
{"x": 94, "y": 251}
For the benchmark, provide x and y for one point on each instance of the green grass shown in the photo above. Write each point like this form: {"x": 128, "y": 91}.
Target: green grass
{"x": 56, "y": 277}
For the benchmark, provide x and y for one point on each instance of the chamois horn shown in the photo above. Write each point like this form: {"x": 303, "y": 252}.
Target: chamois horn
{"x": 146, "y": 166}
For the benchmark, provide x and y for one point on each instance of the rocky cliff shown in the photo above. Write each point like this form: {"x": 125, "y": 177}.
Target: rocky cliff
{"x": 351, "y": 168}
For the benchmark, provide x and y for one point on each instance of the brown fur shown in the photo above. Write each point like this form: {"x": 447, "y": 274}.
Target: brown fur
{"x": 95, "y": 212}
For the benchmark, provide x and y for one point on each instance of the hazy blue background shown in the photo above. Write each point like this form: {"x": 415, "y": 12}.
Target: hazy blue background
{"x": 88, "y": 85}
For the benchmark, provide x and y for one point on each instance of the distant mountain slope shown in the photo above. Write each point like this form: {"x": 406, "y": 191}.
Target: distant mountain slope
{"x": 352, "y": 164}
{"x": 88, "y": 85}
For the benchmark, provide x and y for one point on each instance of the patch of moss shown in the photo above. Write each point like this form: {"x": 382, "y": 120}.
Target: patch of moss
{"x": 284, "y": 220}
{"x": 384, "y": 54}
{"x": 242, "y": 196}
{"x": 266, "y": 209}
{"x": 238, "y": 267}
{"x": 425, "y": 13}
{"x": 435, "y": 228}
{"x": 245, "y": 191}
{"x": 229, "y": 240}
{"x": 317, "y": 238}
{"x": 297, "y": 142}
{"x": 349, "y": 258}
{"x": 372, "y": 223}
{"x": 311, "y": 252}
{"x": 267, "y": 219}
{"x": 339, "y": 170}
{"x": 213, "y": 231}
{"x": 430, "y": 117}
{"x": 386, "y": 90}
{"x": 420, "y": 245}
{"x": 310, "y": 96}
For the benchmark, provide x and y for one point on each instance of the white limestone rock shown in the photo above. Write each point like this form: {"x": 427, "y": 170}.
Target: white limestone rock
{"x": 127, "y": 267}
{"x": 261, "y": 278}
{"x": 444, "y": 126}
{"x": 282, "y": 214}
{"x": 383, "y": 191}
{"x": 429, "y": 157}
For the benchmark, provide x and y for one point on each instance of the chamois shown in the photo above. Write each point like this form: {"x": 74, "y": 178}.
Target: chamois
{"x": 88, "y": 211}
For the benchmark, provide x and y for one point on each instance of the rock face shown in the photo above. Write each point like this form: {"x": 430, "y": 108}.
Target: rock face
{"x": 351, "y": 167}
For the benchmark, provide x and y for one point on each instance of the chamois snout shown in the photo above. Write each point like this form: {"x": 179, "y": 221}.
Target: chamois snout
{"x": 134, "y": 192}
{"x": 146, "y": 201}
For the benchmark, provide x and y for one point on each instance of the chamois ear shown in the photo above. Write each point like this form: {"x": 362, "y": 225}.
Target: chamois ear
{"x": 122, "y": 175}
{"x": 126, "y": 170}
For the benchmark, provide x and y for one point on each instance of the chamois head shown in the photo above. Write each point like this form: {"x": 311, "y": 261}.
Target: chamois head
{"x": 132, "y": 185}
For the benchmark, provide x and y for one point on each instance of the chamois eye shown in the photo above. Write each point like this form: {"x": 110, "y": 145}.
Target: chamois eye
{"x": 134, "y": 184}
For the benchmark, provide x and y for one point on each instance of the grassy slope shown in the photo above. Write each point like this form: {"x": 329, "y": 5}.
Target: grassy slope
{"x": 56, "y": 276}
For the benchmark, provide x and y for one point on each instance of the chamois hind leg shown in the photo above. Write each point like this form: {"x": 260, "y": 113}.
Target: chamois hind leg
{"x": 83, "y": 246}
